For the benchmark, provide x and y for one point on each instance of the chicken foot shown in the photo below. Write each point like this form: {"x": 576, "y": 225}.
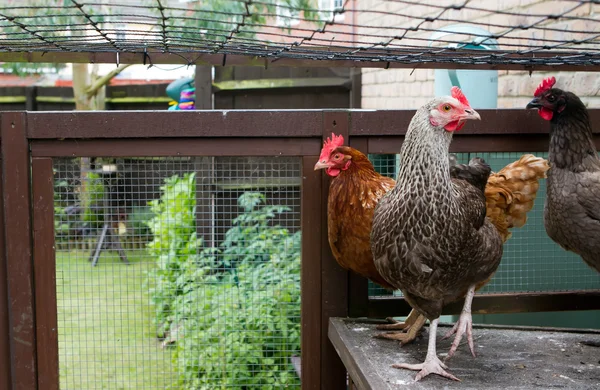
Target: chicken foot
{"x": 432, "y": 364}
{"x": 463, "y": 325}
{"x": 398, "y": 325}
{"x": 409, "y": 332}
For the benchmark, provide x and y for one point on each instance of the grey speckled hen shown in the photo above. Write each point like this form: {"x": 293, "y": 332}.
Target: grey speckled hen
{"x": 430, "y": 236}
{"x": 572, "y": 209}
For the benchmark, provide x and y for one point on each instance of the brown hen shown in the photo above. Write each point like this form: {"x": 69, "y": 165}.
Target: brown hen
{"x": 356, "y": 188}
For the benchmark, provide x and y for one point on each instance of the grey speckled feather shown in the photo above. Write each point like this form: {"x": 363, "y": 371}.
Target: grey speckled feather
{"x": 430, "y": 236}
{"x": 572, "y": 208}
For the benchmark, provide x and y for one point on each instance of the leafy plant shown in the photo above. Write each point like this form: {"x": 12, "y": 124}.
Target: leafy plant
{"x": 232, "y": 312}
{"x": 175, "y": 242}
{"x": 61, "y": 219}
{"x": 93, "y": 211}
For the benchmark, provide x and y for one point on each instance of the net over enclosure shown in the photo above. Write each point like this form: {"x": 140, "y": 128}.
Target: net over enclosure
{"x": 514, "y": 34}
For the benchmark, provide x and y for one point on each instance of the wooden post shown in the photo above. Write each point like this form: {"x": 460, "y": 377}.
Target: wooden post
{"x": 356, "y": 88}
{"x": 17, "y": 236}
{"x": 203, "y": 85}
{"x": 310, "y": 224}
{"x": 204, "y": 166}
{"x": 334, "y": 279}
{"x": 5, "y": 366}
{"x": 45, "y": 273}
{"x": 31, "y": 98}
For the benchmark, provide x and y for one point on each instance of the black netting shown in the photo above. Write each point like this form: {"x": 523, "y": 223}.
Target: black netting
{"x": 375, "y": 31}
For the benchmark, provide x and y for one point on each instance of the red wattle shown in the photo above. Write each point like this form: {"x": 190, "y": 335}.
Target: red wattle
{"x": 333, "y": 172}
{"x": 454, "y": 126}
{"x": 545, "y": 113}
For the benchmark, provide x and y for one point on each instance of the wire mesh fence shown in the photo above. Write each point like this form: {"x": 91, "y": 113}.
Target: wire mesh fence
{"x": 519, "y": 32}
{"x": 532, "y": 262}
{"x": 178, "y": 272}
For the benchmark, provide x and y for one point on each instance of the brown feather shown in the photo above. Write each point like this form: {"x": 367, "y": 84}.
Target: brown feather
{"x": 353, "y": 195}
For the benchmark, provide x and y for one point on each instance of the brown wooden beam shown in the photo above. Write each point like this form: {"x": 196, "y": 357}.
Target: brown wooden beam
{"x": 265, "y": 123}
{"x": 174, "y": 124}
{"x": 44, "y": 262}
{"x": 17, "y": 220}
{"x": 312, "y": 231}
{"x": 380, "y": 307}
{"x": 5, "y": 366}
{"x": 334, "y": 282}
{"x": 176, "y": 147}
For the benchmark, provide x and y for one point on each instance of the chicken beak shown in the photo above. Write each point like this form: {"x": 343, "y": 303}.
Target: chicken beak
{"x": 535, "y": 103}
{"x": 321, "y": 165}
{"x": 471, "y": 114}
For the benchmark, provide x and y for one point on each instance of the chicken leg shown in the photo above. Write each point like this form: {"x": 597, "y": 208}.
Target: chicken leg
{"x": 432, "y": 364}
{"x": 464, "y": 324}
{"x": 409, "y": 328}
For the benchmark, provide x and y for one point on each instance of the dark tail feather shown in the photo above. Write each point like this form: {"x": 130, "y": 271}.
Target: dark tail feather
{"x": 476, "y": 172}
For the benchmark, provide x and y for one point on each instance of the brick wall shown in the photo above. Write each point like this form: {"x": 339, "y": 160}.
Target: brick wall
{"x": 406, "y": 88}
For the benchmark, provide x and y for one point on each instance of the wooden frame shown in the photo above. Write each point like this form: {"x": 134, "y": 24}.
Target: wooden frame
{"x": 327, "y": 290}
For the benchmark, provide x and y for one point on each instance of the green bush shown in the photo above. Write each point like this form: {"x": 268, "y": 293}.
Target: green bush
{"x": 92, "y": 200}
{"x": 233, "y": 312}
{"x": 174, "y": 243}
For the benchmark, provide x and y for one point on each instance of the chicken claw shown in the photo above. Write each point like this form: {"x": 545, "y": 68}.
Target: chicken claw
{"x": 462, "y": 326}
{"x": 409, "y": 334}
{"x": 397, "y": 325}
{"x": 432, "y": 364}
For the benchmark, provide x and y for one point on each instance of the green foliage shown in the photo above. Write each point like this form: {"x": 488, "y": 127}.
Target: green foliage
{"x": 233, "y": 312}
{"x": 61, "y": 219}
{"x": 138, "y": 219}
{"x": 174, "y": 244}
{"x": 93, "y": 211}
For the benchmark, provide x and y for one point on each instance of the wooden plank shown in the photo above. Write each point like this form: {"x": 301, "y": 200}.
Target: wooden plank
{"x": 310, "y": 223}
{"x": 380, "y": 307}
{"x": 44, "y": 265}
{"x": 15, "y": 172}
{"x": 176, "y": 147}
{"x": 174, "y": 124}
{"x": 334, "y": 279}
{"x": 203, "y": 85}
{"x": 512, "y": 61}
{"x": 516, "y": 121}
{"x": 516, "y": 355}
{"x": 356, "y": 89}
{"x": 31, "y": 96}
{"x": 279, "y": 83}
{"x": 262, "y": 123}
{"x": 358, "y": 286}
{"x": 477, "y": 143}
{"x": 359, "y": 366}
{"x": 5, "y": 364}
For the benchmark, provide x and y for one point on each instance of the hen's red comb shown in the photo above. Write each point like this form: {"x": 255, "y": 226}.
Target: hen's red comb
{"x": 330, "y": 144}
{"x": 460, "y": 96}
{"x": 545, "y": 85}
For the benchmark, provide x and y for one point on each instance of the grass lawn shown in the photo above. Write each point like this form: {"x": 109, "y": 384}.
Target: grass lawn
{"x": 106, "y": 335}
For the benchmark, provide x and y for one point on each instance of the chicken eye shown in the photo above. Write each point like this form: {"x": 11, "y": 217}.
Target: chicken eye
{"x": 551, "y": 98}
{"x": 336, "y": 157}
{"x": 446, "y": 107}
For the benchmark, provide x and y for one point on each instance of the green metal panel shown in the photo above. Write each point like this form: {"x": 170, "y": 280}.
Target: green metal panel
{"x": 532, "y": 262}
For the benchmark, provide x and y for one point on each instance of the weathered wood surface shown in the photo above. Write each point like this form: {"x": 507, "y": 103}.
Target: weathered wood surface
{"x": 508, "y": 358}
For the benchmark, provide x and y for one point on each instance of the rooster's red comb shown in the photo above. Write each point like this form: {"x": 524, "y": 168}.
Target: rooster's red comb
{"x": 330, "y": 144}
{"x": 460, "y": 96}
{"x": 545, "y": 85}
